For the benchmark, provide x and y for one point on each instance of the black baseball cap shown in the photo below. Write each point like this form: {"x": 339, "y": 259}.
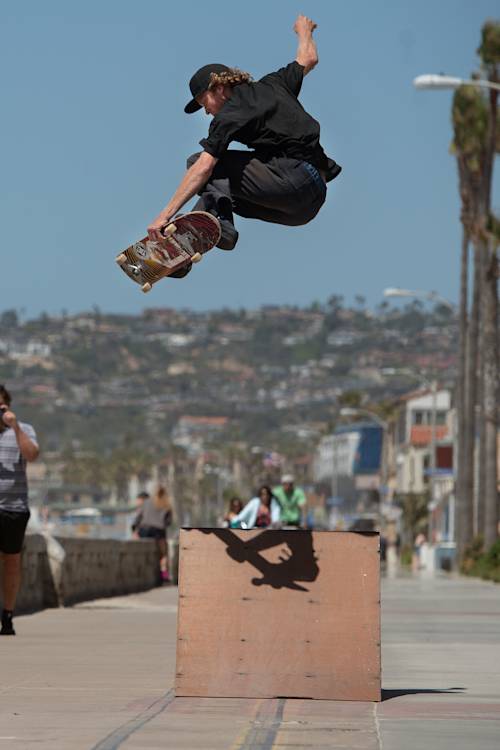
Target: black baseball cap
{"x": 200, "y": 83}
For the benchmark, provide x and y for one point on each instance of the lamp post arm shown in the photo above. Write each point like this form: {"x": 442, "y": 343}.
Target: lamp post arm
{"x": 481, "y": 84}
{"x": 433, "y": 81}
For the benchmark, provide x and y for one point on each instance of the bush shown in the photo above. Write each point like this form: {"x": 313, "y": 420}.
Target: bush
{"x": 473, "y": 553}
{"x": 481, "y": 564}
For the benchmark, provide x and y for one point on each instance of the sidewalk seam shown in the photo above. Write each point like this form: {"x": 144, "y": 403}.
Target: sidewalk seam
{"x": 263, "y": 730}
{"x": 113, "y": 740}
{"x": 377, "y": 726}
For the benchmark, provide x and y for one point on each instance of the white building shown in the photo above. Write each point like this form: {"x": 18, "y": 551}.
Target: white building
{"x": 415, "y": 437}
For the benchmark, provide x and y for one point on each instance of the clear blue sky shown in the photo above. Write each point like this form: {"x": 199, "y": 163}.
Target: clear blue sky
{"x": 94, "y": 141}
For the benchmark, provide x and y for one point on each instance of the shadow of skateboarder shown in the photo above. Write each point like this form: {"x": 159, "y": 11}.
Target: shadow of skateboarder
{"x": 299, "y": 565}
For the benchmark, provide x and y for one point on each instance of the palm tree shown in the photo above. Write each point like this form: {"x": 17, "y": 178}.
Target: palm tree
{"x": 463, "y": 397}
{"x": 489, "y": 52}
{"x": 475, "y": 141}
{"x": 468, "y": 126}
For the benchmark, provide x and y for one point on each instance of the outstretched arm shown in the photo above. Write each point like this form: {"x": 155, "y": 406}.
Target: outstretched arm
{"x": 192, "y": 182}
{"x": 307, "y": 53}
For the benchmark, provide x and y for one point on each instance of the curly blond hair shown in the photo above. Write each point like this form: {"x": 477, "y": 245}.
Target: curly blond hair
{"x": 233, "y": 77}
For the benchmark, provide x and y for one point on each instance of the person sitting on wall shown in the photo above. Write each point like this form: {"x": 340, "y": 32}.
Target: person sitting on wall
{"x": 235, "y": 507}
{"x": 260, "y": 512}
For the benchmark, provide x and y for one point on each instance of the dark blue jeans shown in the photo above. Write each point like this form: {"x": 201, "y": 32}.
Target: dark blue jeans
{"x": 279, "y": 190}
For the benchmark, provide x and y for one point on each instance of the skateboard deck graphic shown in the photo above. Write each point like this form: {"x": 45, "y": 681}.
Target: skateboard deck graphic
{"x": 185, "y": 241}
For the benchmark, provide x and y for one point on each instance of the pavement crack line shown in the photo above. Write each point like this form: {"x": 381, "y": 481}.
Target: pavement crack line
{"x": 377, "y": 726}
{"x": 123, "y": 732}
{"x": 264, "y": 728}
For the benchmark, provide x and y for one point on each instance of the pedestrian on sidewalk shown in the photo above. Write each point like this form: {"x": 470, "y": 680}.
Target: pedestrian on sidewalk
{"x": 18, "y": 445}
{"x": 420, "y": 548}
{"x": 139, "y": 502}
{"x": 152, "y": 522}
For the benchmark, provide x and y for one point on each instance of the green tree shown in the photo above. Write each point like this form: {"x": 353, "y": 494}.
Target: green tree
{"x": 352, "y": 399}
{"x": 414, "y": 515}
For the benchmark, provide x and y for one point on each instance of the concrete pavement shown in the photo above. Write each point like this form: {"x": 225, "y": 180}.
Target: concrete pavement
{"x": 99, "y": 676}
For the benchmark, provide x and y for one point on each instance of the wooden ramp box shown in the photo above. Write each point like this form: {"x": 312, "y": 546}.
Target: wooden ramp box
{"x": 266, "y": 614}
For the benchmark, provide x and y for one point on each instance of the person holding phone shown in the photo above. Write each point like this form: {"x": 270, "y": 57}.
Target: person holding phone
{"x": 18, "y": 446}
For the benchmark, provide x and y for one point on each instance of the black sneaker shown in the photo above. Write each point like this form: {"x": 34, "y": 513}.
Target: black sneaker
{"x": 229, "y": 234}
{"x": 7, "y": 626}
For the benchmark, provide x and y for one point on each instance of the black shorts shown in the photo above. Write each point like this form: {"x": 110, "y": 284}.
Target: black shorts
{"x": 151, "y": 532}
{"x": 12, "y": 530}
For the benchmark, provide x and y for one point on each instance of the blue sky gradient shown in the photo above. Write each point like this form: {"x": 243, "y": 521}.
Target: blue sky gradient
{"x": 94, "y": 142}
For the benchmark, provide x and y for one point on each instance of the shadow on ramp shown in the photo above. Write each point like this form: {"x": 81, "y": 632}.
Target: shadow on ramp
{"x": 298, "y": 563}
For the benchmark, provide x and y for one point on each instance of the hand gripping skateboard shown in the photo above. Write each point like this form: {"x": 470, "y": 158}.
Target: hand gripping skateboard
{"x": 185, "y": 241}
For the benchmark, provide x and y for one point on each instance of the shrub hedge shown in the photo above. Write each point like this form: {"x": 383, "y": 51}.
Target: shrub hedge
{"x": 482, "y": 564}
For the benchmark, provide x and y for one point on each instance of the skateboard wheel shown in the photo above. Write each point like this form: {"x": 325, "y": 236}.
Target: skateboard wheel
{"x": 196, "y": 258}
{"x": 146, "y": 287}
{"x": 169, "y": 230}
{"x": 121, "y": 259}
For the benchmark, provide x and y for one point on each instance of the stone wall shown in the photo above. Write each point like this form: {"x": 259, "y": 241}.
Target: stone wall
{"x": 66, "y": 570}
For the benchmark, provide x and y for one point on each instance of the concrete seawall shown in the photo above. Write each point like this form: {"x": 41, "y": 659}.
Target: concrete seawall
{"x": 63, "y": 571}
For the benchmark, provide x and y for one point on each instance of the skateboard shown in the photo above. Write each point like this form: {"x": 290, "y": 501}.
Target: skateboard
{"x": 186, "y": 239}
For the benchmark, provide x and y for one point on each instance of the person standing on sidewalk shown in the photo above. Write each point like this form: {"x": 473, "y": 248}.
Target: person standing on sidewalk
{"x": 18, "y": 445}
{"x": 292, "y": 500}
{"x": 152, "y": 522}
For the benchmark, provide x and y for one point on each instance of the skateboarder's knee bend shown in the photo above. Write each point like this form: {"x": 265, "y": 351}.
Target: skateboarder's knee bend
{"x": 303, "y": 215}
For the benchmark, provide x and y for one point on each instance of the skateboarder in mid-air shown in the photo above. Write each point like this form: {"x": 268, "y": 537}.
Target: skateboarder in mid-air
{"x": 283, "y": 178}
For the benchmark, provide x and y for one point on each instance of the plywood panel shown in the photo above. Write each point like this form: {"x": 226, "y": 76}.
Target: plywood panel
{"x": 279, "y": 614}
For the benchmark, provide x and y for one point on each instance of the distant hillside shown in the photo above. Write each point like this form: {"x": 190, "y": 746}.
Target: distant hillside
{"x": 94, "y": 381}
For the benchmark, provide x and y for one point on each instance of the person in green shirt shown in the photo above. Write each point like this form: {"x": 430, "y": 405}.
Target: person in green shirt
{"x": 292, "y": 499}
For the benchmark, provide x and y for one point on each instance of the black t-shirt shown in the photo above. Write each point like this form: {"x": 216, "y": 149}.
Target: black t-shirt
{"x": 267, "y": 117}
